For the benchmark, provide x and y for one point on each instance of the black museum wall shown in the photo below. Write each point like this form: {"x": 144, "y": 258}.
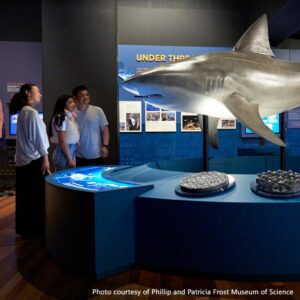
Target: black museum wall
{"x": 80, "y": 47}
{"x": 20, "y": 20}
{"x": 211, "y": 23}
{"x": 179, "y": 23}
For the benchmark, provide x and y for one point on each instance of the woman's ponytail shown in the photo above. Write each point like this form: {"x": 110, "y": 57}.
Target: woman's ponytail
{"x": 20, "y": 99}
{"x": 16, "y": 103}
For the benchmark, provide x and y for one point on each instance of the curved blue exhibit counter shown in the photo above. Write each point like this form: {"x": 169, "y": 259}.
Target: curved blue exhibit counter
{"x": 142, "y": 220}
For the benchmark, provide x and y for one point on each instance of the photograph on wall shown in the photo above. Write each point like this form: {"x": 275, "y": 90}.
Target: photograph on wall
{"x": 153, "y": 116}
{"x": 227, "y": 124}
{"x": 130, "y": 116}
{"x": 189, "y": 122}
{"x": 168, "y": 116}
{"x": 168, "y": 120}
{"x": 159, "y": 120}
{"x": 133, "y": 121}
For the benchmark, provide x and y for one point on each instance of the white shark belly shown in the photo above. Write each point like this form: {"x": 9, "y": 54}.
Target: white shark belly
{"x": 192, "y": 102}
{"x": 213, "y": 107}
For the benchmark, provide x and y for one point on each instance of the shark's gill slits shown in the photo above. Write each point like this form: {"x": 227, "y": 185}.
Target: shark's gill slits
{"x": 213, "y": 85}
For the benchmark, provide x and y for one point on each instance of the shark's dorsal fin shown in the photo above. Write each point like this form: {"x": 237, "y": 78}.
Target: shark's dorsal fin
{"x": 256, "y": 38}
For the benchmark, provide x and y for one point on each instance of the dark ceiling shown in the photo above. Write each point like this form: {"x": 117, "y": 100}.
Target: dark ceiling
{"x": 283, "y": 16}
{"x": 21, "y": 20}
{"x": 285, "y": 22}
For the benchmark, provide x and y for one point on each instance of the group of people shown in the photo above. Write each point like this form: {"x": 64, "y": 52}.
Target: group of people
{"x": 79, "y": 130}
{"x": 81, "y": 135}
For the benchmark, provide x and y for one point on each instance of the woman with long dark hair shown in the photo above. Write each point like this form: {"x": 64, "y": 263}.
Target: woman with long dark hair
{"x": 64, "y": 132}
{"x": 32, "y": 163}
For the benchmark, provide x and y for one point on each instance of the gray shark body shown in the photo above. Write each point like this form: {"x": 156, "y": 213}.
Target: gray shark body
{"x": 247, "y": 83}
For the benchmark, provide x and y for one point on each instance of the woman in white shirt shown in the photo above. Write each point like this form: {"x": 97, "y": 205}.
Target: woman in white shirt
{"x": 32, "y": 162}
{"x": 64, "y": 132}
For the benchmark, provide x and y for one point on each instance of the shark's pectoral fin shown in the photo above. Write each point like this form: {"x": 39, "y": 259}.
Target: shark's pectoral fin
{"x": 212, "y": 130}
{"x": 248, "y": 115}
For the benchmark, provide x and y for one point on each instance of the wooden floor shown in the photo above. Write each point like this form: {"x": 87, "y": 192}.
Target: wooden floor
{"x": 27, "y": 272}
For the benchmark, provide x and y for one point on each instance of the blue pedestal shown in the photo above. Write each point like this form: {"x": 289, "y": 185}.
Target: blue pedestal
{"x": 92, "y": 232}
{"x": 237, "y": 234}
{"x": 233, "y": 234}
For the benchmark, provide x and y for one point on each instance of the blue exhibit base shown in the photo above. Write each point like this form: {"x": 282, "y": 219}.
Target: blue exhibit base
{"x": 90, "y": 221}
{"x": 236, "y": 234}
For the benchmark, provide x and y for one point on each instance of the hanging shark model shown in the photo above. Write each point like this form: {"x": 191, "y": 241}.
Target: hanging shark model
{"x": 247, "y": 83}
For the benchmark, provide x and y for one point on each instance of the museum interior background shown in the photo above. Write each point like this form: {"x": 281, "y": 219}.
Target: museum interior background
{"x": 61, "y": 54}
{"x": 59, "y": 44}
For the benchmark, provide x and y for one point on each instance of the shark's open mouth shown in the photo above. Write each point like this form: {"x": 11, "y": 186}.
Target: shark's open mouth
{"x": 149, "y": 96}
{"x": 136, "y": 93}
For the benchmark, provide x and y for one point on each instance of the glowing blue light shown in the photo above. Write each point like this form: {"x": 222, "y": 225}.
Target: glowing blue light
{"x": 90, "y": 179}
{"x": 272, "y": 122}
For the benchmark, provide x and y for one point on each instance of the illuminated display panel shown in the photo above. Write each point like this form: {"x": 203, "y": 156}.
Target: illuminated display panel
{"x": 272, "y": 122}
{"x": 13, "y": 123}
{"x": 90, "y": 179}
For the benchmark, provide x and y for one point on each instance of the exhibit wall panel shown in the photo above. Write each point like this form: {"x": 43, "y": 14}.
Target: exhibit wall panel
{"x": 80, "y": 47}
{"x": 20, "y": 62}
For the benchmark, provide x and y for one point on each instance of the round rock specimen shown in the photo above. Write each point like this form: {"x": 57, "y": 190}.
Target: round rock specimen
{"x": 278, "y": 182}
{"x": 204, "y": 182}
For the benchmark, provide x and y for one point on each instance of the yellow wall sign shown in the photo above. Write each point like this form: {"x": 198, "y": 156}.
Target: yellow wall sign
{"x": 159, "y": 57}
